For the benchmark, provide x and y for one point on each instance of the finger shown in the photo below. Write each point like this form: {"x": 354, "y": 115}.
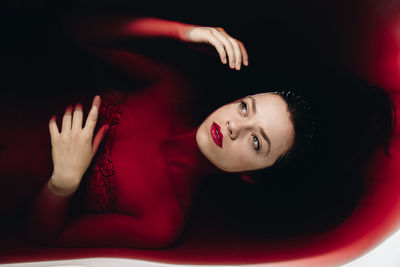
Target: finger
{"x": 228, "y": 47}
{"x": 98, "y": 138}
{"x": 238, "y": 54}
{"x": 235, "y": 48}
{"x": 53, "y": 128}
{"x": 77, "y": 118}
{"x": 219, "y": 46}
{"x": 93, "y": 114}
{"x": 245, "y": 56}
{"x": 66, "y": 122}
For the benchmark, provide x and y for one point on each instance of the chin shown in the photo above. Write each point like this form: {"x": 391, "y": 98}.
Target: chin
{"x": 202, "y": 140}
{"x": 204, "y": 143}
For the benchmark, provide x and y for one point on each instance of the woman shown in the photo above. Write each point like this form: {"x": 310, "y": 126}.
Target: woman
{"x": 141, "y": 183}
{"x": 131, "y": 182}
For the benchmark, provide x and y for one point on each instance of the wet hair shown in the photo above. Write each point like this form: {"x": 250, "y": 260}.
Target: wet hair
{"x": 350, "y": 128}
{"x": 305, "y": 126}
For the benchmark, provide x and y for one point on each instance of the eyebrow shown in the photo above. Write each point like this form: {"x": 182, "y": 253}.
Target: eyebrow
{"x": 266, "y": 139}
{"x": 264, "y": 135}
{"x": 253, "y": 103}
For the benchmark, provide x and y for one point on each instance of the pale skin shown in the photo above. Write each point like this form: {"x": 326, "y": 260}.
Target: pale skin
{"x": 72, "y": 148}
{"x": 255, "y": 130}
{"x": 226, "y": 46}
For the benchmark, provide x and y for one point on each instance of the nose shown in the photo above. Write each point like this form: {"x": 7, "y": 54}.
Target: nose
{"x": 235, "y": 128}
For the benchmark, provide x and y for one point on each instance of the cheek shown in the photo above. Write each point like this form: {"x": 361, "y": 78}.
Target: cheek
{"x": 240, "y": 155}
{"x": 245, "y": 158}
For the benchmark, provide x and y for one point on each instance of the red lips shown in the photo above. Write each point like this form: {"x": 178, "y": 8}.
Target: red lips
{"x": 216, "y": 134}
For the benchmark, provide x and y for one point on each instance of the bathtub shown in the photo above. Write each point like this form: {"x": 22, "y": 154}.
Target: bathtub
{"x": 370, "y": 233}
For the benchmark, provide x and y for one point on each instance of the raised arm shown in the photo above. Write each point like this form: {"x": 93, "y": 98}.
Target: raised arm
{"x": 93, "y": 30}
{"x": 98, "y": 33}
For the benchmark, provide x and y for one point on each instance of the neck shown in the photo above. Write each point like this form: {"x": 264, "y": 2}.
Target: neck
{"x": 183, "y": 149}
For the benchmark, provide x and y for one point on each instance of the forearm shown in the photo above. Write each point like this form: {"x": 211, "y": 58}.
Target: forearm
{"x": 100, "y": 28}
{"x": 156, "y": 228}
{"x": 155, "y": 27}
{"x": 47, "y": 215}
{"x": 108, "y": 229}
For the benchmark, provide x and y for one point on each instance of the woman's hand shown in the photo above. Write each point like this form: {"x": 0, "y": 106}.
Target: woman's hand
{"x": 72, "y": 149}
{"x": 223, "y": 42}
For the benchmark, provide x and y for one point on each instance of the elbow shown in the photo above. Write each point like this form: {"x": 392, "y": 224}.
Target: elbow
{"x": 165, "y": 232}
{"x": 165, "y": 239}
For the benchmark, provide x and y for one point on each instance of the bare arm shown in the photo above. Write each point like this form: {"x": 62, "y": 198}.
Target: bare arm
{"x": 93, "y": 30}
{"x": 47, "y": 216}
{"x": 97, "y": 33}
{"x": 72, "y": 151}
{"x": 48, "y": 225}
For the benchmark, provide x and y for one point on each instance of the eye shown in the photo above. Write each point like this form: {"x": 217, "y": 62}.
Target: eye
{"x": 243, "y": 107}
{"x": 256, "y": 143}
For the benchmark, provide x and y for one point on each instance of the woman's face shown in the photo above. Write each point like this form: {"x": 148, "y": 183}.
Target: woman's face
{"x": 247, "y": 134}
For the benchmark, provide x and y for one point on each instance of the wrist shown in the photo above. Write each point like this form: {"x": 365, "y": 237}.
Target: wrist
{"x": 183, "y": 31}
{"x": 61, "y": 189}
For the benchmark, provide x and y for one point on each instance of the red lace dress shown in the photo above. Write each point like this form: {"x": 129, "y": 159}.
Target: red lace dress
{"x": 166, "y": 149}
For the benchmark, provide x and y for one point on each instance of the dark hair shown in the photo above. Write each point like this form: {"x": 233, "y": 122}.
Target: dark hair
{"x": 355, "y": 125}
{"x": 304, "y": 124}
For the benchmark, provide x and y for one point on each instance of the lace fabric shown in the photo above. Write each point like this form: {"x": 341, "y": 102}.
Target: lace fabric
{"x": 100, "y": 194}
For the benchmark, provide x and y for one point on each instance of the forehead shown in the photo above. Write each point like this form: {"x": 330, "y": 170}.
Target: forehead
{"x": 272, "y": 106}
{"x": 274, "y": 117}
